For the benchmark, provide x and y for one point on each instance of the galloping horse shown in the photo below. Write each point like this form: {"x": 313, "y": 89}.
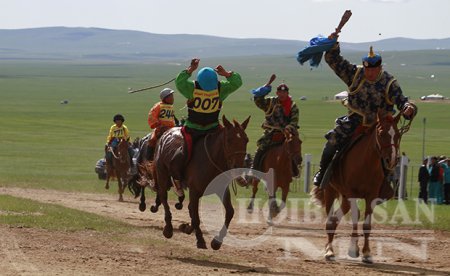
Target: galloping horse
{"x": 215, "y": 153}
{"x": 360, "y": 174}
{"x": 121, "y": 166}
{"x": 280, "y": 158}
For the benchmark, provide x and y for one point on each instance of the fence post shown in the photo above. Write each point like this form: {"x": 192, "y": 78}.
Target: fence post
{"x": 308, "y": 158}
{"x": 403, "y": 171}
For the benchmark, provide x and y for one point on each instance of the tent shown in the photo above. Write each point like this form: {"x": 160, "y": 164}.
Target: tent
{"x": 341, "y": 95}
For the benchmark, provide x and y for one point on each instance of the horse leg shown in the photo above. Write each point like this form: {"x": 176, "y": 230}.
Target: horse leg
{"x": 331, "y": 224}
{"x": 168, "y": 228}
{"x": 119, "y": 181}
{"x": 252, "y": 200}
{"x": 142, "y": 205}
{"x": 367, "y": 227}
{"x": 179, "y": 204}
{"x": 284, "y": 193}
{"x": 353, "y": 251}
{"x": 195, "y": 218}
{"x": 154, "y": 208}
{"x": 107, "y": 180}
{"x": 216, "y": 243}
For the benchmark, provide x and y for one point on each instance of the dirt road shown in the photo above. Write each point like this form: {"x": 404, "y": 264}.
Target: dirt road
{"x": 293, "y": 246}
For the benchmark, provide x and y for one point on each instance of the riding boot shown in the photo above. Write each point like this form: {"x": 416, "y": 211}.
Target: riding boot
{"x": 257, "y": 161}
{"x": 327, "y": 155}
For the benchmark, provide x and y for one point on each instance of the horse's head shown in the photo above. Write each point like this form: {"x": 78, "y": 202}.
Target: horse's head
{"x": 293, "y": 144}
{"x": 235, "y": 142}
{"x": 122, "y": 151}
{"x": 388, "y": 139}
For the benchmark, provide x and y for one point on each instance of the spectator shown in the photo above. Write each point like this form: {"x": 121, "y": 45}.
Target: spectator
{"x": 435, "y": 185}
{"x": 446, "y": 166}
{"x": 423, "y": 179}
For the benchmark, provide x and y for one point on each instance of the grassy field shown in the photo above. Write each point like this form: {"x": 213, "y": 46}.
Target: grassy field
{"x": 45, "y": 144}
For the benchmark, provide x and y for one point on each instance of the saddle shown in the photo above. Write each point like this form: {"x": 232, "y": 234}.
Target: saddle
{"x": 359, "y": 133}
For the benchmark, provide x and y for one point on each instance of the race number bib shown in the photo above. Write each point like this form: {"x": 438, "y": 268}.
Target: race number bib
{"x": 206, "y": 102}
{"x": 166, "y": 112}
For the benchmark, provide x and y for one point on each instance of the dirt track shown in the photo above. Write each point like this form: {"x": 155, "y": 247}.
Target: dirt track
{"x": 291, "y": 248}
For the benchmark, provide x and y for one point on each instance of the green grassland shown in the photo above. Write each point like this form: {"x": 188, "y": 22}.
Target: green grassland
{"x": 45, "y": 144}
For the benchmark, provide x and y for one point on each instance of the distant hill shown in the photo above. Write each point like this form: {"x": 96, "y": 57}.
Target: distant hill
{"x": 105, "y": 44}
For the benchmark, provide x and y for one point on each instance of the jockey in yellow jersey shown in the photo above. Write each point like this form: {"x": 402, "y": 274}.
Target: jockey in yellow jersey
{"x": 116, "y": 132}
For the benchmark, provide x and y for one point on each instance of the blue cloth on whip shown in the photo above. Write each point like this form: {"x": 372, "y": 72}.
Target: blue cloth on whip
{"x": 314, "y": 51}
{"x": 261, "y": 91}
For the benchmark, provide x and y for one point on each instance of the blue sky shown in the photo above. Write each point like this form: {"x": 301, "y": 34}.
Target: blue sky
{"x": 283, "y": 19}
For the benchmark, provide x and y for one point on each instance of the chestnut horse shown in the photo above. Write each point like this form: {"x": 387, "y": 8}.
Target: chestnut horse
{"x": 121, "y": 166}
{"x": 280, "y": 158}
{"x": 213, "y": 154}
{"x": 357, "y": 174}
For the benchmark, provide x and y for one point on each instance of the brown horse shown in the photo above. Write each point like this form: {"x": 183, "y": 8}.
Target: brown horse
{"x": 280, "y": 158}
{"x": 213, "y": 154}
{"x": 360, "y": 174}
{"x": 120, "y": 166}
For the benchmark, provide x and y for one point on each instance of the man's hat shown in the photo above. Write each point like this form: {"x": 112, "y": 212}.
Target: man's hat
{"x": 372, "y": 59}
{"x": 165, "y": 92}
{"x": 207, "y": 78}
{"x": 283, "y": 87}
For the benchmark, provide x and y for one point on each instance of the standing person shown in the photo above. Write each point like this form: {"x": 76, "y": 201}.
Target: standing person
{"x": 446, "y": 166}
{"x": 435, "y": 183}
{"x": 281, "y": 113}
{"x": 116, "y": 132}
{"x": 204, "y": 97}
{"x": 370, "y": 89}
{"x": 423, "y": 179}
{"x": 160, "y": 118}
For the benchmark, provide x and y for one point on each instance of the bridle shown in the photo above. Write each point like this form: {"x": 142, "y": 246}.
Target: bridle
{"x": 227, "y": 157}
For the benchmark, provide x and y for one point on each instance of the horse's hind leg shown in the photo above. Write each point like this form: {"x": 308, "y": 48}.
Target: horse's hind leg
{"x": 367, "y": 227}
{"x": 154, "y": 208}
{"x": 216, "y": 243}
{"x": 179, "y": 204}
{"x": 168, "y": 228}
{"x": 142, "y": 205}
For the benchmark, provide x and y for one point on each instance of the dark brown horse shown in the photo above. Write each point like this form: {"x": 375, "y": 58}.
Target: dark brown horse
{"x": 360, "y": 174}
{"x": 121, "y": 166}
{"x": 212, "y": 155}
{"x": 280, "y": 158}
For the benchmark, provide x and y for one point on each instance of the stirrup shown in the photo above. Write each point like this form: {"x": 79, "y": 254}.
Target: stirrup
{"x": 318, "y": 177}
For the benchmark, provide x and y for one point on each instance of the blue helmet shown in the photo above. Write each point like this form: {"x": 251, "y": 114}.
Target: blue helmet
{"x": 207, "y": 78}
{"x": 372, "y": 59}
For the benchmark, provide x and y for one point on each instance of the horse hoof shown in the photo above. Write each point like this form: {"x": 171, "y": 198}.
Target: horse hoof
{"x": 142, "y": 207}
{"x": 120, "y": 199}
{"x": 201, "y": 245}
{"x": 353, "y": 253}
{"x": 153, "y": 209}
{"x": 168, "y": 231}
{"x": 367, "y": 259}
{"x": 107, "y": 187}
{"x": 179, "y": 206}
{"x": 330, "y": 257}
{"x": 250, "y": 210}
{"x": 216, "y": 244}
{"x": 185, "y": 228}
{"x": 270, "y": 222}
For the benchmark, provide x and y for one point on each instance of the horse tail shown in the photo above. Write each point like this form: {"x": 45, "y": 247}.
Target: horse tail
{"x": 317, "y": 196}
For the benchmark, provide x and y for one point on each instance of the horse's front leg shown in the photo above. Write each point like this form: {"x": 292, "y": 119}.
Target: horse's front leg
{"x": 367, "y": 227}
{"x": 353, "y": 250}
{"x": 119, "y": 181}
{"x": 252, "y": 200}
{"x": 216, "y": 243}
{"x": 195, "y": 218}
{"x": 142, "y": 205}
